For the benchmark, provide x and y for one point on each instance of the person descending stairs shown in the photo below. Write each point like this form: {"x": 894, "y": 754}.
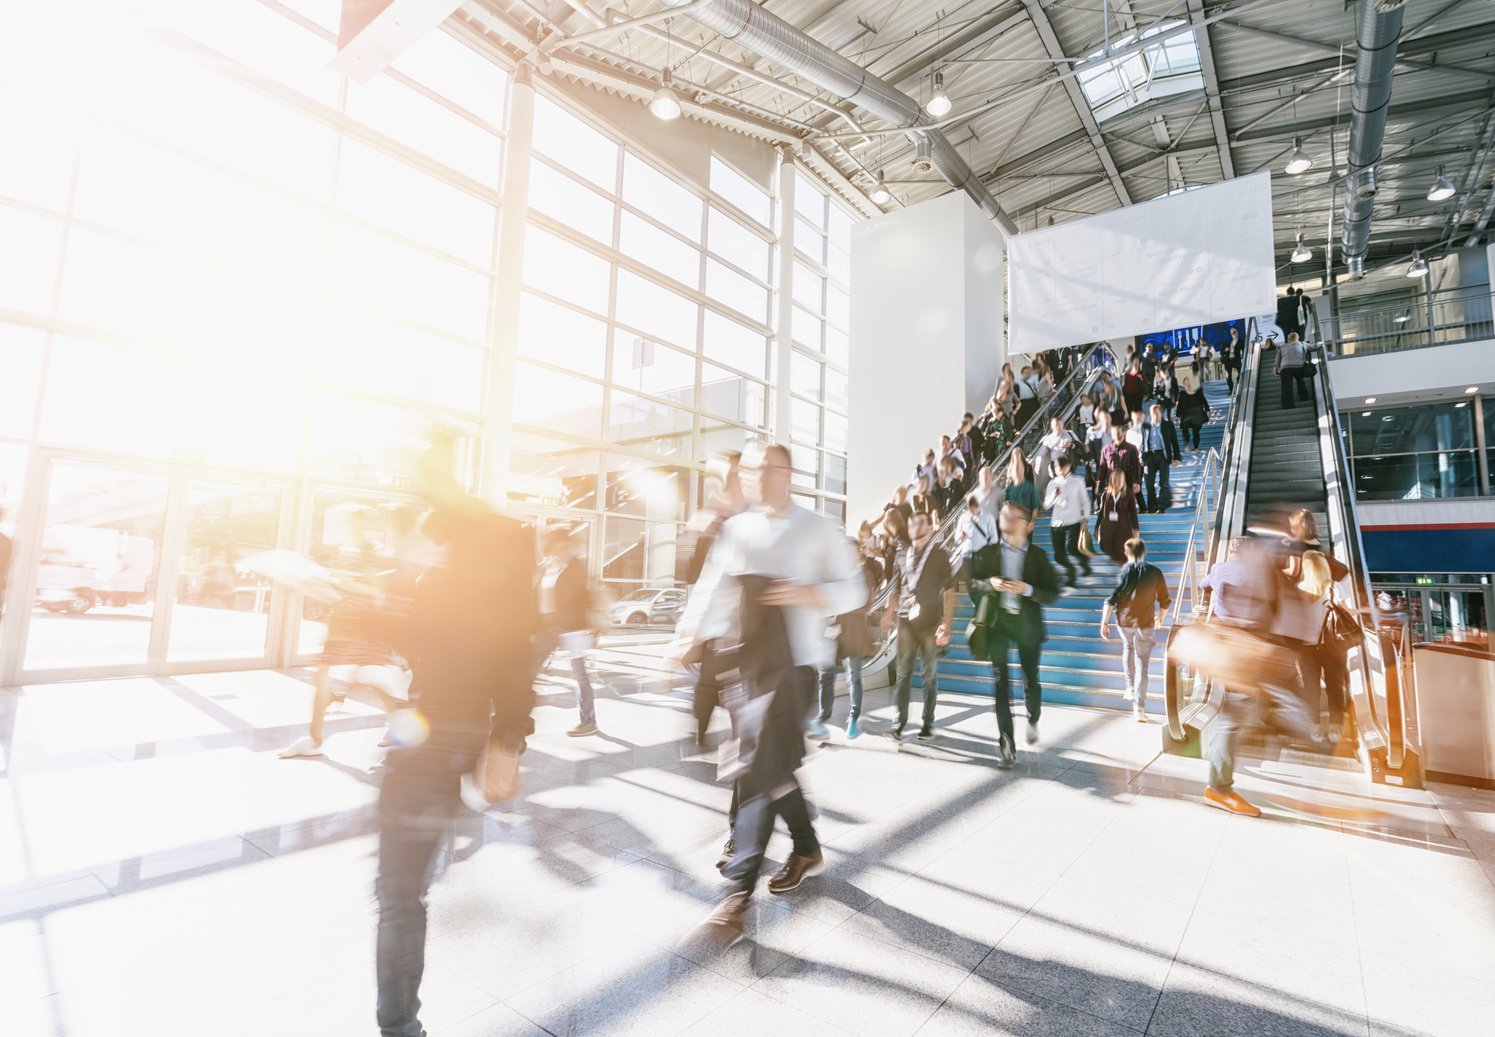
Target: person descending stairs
{"x": 1078, "y": 667}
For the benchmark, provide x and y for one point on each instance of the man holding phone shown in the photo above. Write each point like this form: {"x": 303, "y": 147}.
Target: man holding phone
{"x": 924, "y": 592}
{"x": 1021, "y": 574}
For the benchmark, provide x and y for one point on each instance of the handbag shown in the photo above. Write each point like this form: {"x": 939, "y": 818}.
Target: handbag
{"x": 1342, "y": 630}
{"x": 497, "y": 772}
{"x": 1086, "y": 542}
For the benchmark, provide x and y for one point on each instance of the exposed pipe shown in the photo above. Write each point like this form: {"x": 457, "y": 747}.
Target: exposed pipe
{"x": 1376, "y": 38}
{"x": 772, "y": 38}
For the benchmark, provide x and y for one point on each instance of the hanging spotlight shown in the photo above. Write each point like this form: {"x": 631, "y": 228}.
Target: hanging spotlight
{"x": 1302, "y": 253}
{"x": 939, "y": 102}
{"x": 1404, "y": 316}
{"x": 664, "y": 104}
{"x": 1419, "y": 267}
{"x": 1300, "y": 161}
{"x": 880, "y": 193}
{"x": 1442, "y": 188}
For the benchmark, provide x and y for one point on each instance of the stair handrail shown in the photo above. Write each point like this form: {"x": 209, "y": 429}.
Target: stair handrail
{"x": 1085, "y": 372}
{"x": 1377, "y": 694}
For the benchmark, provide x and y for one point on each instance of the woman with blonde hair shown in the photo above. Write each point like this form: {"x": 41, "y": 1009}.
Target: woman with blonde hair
{"x": 1319, "y": 658}
{"x": 1021, "y": 488}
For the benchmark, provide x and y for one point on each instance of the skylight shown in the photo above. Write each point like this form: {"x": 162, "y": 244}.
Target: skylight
{"x": 1171, "y": 66}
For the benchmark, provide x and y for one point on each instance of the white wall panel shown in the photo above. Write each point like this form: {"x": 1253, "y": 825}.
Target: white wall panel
{"x": 1192, "y": 258}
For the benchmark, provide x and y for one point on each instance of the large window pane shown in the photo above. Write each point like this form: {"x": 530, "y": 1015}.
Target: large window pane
{"x": 395, "y": 109}
{"x": 656, "y": 311}
{"x": 720, "y": 439}
{"x": 731, "y": 343}
{"x": 1405, "y": 430}
{"x": 264, "y": 40}
{"x": 647, "y": 366}
{"x": 556, "y": 401}
{"x": 561, "y": 336}
{"x": 1417, "y": 476}
{"x": 729, "y": 395}
{"x": 808, "y": 288}
{"x": 358, "y": 351}
{"x": 753, "y": 200}
{"x": 732, "y": 289}
{"x": 809, "y": 240}
{"x": 804, "y": 375}
{"x": 837, "y": 346}
{"x": 574, "y": 145}
{"x": 543, "y": 470}
{"x": 652, "y": 192}
{"x": 29, "y": 249}
{"x": 567, "y": 271}
{"x": 809, "y": 200}
{"x": 835, "y": 389}
{"x": 835, "y": 432}
{"x": 561, "y": 198}
{"x": 648, "y": 489}
{"x": 804, "y": 422}
{"x": 838, "y": 307}
{"x": 641, "y": 424}
{"x": 659, "y": 251}
{"x": 840, "y": 227}
{"x": 380, "y": 188}
{"x": 395, "y": 278}
{"x": 839, "y": 263}
{"x": 460, "y": 74}
{"x": 736, "y": 244}
{"x": 21, "y": 354}
{"x": 366, "y": 441}
{"x": 806, "y": 329}
{"x": 835, "y": 474}
{"x": 639, "y": 555}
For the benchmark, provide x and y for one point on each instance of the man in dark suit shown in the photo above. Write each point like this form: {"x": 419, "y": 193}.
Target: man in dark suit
{"x": 1018, "y": 571}
{"x": 923, "y": 595}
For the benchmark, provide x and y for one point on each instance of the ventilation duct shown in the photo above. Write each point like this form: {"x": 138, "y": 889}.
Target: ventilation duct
{"x": 1377, "y": 33}
{"x": 754, "y": 29}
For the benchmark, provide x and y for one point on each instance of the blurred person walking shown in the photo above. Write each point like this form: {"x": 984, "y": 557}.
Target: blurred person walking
{"x": 923, "y": 597}
{"x": 854, "y": 646}
{"x": 724, "y": 495}
{"x": 1069, "y": 510}
{"x": 1321, "y": 657}
{"x": 1193, "y": 412}
{"x": 1141, "y": 594}
{"x": 1118, "y": 518}
{"x": 1119, "y": 456}
{"x": 468, "y": 639}
{"x": 1134, "y": 385}
{"x": 1023, "y": 579}
{"x": 565, "y": 600}
{"x": 975, "y": 529}
{"x": 1020, "y": 488}
{"x": 1159, "y": 453}
{"x": 779, "y": 574}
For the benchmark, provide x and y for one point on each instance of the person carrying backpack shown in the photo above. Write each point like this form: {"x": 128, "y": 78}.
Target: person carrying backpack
{"x": 1141, "y": 593}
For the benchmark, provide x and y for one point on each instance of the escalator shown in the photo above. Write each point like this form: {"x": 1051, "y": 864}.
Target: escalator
{"x": 1278, "y": 459}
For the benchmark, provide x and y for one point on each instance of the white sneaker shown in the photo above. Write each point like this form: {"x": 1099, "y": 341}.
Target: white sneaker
{"x": 303, "y": 746}
{"x": 1032, "y": 732}
{"x": 1139, "y": 714}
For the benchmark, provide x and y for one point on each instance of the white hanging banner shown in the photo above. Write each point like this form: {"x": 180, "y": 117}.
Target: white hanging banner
{"x": 1197, "y": 257}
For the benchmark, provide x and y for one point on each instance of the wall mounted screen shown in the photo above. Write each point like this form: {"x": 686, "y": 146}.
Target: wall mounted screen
{"x": 1197, "y": 257}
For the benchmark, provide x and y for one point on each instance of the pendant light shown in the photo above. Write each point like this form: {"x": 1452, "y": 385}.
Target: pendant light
{"x": 939, "y": 104}
{"x": 1300, "y": 161}
{"x": 1442, "y": 188}
{"x": 1419, "y": 267}
{"x": 880, "y": 193}
{"x": 664, "y": 105}
{"x": 1302, "y": 253}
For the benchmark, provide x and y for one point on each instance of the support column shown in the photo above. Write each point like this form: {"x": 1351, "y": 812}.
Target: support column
{"x": 783, "y": 339}
{"x": 498, "y": 392}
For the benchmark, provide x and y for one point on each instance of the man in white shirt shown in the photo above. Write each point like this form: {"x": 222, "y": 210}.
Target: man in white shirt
{"x": 813, "y": 576}
{"x": 925, "y": 474}
{"x": 976, "y": 527}
{"x": 1069, "y": 509}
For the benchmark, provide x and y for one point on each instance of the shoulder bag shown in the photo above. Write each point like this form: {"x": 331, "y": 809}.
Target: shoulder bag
{"x": 1342, "y": 630}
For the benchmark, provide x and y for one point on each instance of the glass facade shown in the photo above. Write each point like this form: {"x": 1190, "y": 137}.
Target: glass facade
{"x": 239, "y": 291}
{"x": 1431, "y": 450}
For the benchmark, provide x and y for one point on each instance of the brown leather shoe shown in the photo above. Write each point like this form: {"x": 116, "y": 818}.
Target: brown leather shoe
{"x": 723, "y": 927}
{"x": 1231, "y": 800}
{"x": 794, "y": 871}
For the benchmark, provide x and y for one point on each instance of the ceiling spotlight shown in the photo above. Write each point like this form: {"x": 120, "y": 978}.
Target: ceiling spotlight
{"x": 1369, "y": 400}
{"x": 1419, "y": 266}
{"x": 1300, "y": 161}
{"x": 1365, "y": 414}
{"x": 880, "y": 193}
{"x": 1471, "y": 390}
{"x": 1461, "y": 405}
{"x": 939, "y": 102}
{"x": 664, "y": 104}
{"x": 1404, "y": 316}
{"x": 1302, "y": 253}
{"x": 1442, "y": 188}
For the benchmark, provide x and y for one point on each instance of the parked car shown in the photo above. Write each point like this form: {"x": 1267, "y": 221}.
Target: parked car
{"x": 67, "y": 582}
{"x": 648, "y": 606}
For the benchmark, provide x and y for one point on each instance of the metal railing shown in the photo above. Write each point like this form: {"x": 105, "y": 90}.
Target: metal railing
{"x": 1063, "y": 402}
{"x": 1442, "y": 317}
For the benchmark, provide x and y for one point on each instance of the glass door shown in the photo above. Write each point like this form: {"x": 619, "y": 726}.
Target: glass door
{"x": 95, "y": 598}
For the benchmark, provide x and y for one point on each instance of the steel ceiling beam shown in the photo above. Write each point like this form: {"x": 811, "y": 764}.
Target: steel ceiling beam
{"x": 1211, "y": 86}
{"x": 1332, "y": 49}
{"x": 1077, "y": 98}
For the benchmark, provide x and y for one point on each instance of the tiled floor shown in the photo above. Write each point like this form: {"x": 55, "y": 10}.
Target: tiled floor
{"x": 162, "y": 872}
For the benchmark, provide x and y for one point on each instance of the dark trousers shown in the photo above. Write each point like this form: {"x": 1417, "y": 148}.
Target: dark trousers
{"x": 420, "y": 792}
{"x": 1232, "y": 371}
{"x": 1066, "y": 541}
{"x": 914, "y": 645}
{"x": 753, "y": 827}
{"x": 1155, "y": 478}
{"x": 707, "y": 695}
{"x": 1292, "y": 382}
{"x": 1315, "y": 662}
{"x": 1010, "y": 629}
{"x": 1191, "y": 428}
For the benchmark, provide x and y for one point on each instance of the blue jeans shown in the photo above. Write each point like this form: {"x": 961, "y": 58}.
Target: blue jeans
{"x": 420, "y": 792}
{"x": 1220, "y": 752}
{"x": 546, "y": 644}
{"x": 827, "y": 684}
{"x": 1136, "y": 653}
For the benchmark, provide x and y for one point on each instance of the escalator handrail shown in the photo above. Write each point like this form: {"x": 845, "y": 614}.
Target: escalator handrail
{"x": 1349, "y": 546}
{"x": 1087, "y": 372}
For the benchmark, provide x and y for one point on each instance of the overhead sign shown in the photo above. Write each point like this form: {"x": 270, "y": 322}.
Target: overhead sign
{"x": 1196, "y": 257}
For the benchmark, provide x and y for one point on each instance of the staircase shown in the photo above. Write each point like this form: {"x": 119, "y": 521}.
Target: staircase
{"x": 1077, "y": 666}
{"x": 1286, "y": 470}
